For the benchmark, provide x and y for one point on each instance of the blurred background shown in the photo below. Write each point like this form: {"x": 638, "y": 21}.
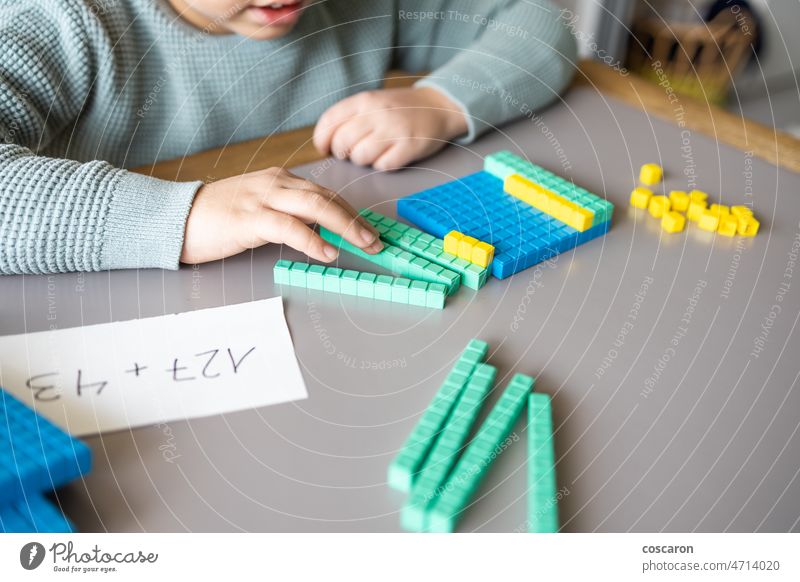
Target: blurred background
{"x": 743, "y": 55}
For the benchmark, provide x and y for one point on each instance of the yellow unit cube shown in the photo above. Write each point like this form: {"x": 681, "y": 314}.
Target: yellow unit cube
{"x": 728, "y": 225}
{"x": 720, "y": 208}
{"x": 465, "y": 246}
{"x": 650, "y": 174}
{"x": 748, "y": 226}
{"x": 673, "y": 221}
{"x": 451, "y": 240}
{"x": 640, "y": 197}
{"x": 698, "y": 196}
{"x": 658, "y": 206}
{"x": 709, "y": 220}
{"x": 483, "y": 254}
{"x": 679, "y": 200}
{"x": 741, "y": 211}
{"x": 696, "y": 208}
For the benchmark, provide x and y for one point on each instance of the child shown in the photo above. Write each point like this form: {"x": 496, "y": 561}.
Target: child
{"x": 89, "y": 87}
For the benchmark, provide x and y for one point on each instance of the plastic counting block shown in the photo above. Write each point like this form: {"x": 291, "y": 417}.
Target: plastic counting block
{"x": 409, "y": 461}
{"x": 549, "y": 202}
{"x": 679, "y": 200}
{"x": 401, "y": 262}
{"x": 32, "y": 514}
{"x": 741, "y": 211}
{"x": 35, "y": 455}
{"x": 748, "y": 226}
{"x": 640, "y": 197}
{"x": 281, "y": 272}
{"x": 463, "y": 481}
{"x": 452, "y": 242}
{"x": 367, "y": 285}
{"x": 698, "y": 196}
{"x": 659, "y": 205}
{"x": 315, "y": 277}
{"x": 444, "y": 452}
{"x": 673, "y": 222}
{"x": 427, "y": 247}
{"x": 332, "y": 280}
{"x": 696, "y": 209}
{"x": 728, "y": 225}
{"x": 476, "y": 205}
{"x": 503, "y": 164}
{"x": 349, "y": 282}
{"x": 650, "y": 174}
{"x": 483, "y": 254}
{"x": 542, "y": 486}
{"x": 468, "y": 248}
{"x": 709, "y": 220}
{"x": 720, "y": 209}
{"x": 400, "y": 290}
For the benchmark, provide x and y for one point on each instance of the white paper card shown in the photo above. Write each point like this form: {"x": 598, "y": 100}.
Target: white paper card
{"x": 113, "y": 376}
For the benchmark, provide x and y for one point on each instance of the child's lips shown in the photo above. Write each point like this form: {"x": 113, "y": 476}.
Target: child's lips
{"x": 278, "y": 14}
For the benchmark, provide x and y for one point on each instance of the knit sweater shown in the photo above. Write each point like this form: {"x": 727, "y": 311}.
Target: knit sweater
{"x": 91, "y": 87}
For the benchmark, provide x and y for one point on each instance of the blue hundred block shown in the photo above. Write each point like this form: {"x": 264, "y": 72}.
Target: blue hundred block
{"x": 35, "y": 455}
{"x": 34, "y": 514}
{"x": 476, "y": 205}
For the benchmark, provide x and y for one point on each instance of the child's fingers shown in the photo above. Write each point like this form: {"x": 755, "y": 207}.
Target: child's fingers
{"x": 285, "y": 229}
{"x": 316, "y": 207}
{"x": 347, "y": 135}
{"x": 330, "y": 120}
{"x": 394, "y": 157}
{"x": 307, "y": 185}
{"x": 369, "y": 149}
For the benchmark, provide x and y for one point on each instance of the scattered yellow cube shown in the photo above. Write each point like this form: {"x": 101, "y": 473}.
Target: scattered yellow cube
{"x": 650, "y": 174}
{"x": 673, "y": 221}
{"x": 748, "y": 226}
{"x": 720, "y": 208}
{"x": 658, "y": 206}
{"x": 640, "y": 197}
{"x": 728, "y": 225}
{"x": 465, "y": 246}
{"x": 709, "y": 220}
{"x": 698, "y": 196}
{"x": 741, "y": 211}
{"x": 483, "y": 254}
{"x": 451, "y": 240}
{"x": 679, "y": 200}
{"x": 696, "y": 208}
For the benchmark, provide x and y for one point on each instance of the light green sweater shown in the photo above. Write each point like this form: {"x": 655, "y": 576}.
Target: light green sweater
{"x": 89, "y": 87}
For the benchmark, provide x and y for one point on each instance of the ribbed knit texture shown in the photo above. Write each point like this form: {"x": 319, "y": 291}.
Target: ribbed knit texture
{"x": 90, "y": 87}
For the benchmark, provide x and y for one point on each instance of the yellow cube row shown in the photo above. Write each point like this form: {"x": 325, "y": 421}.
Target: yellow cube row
{"x": 728, "y": 221}
{"x": 549, "y": 202}
{"x": 468, "y": 248}
{"x": 717, "y": 217}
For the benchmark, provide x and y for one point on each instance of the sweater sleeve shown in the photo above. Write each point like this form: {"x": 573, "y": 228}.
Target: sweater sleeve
{"x": 59, "y": 215}
{"x": 497, "y": 59}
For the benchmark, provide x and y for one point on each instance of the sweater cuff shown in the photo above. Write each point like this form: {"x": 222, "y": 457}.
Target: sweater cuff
{"x": 477, "y": 93}
{"x": 145, "y": 222}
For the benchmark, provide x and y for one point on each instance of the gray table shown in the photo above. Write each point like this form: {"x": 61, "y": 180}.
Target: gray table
{"x": 711, "y": 445}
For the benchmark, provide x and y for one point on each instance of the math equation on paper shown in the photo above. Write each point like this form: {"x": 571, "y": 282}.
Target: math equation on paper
{"x": 112, "y": 376}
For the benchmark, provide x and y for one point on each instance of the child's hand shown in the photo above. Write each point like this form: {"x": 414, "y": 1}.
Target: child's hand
{"x": 389, "y": 129}
{"x": 273, "y": 205}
